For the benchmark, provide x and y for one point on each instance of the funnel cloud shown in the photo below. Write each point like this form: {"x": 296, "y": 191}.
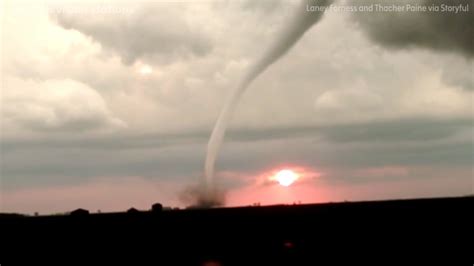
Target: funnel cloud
{"x": 302, "y": 20}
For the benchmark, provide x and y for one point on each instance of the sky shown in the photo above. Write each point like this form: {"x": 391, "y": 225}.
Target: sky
{"x": 107, "y": 105}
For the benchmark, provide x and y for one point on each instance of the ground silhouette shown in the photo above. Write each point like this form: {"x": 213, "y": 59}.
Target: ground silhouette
{"x": 258, "y": 235}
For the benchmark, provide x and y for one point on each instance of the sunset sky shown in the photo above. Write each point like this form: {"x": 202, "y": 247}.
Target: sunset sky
{"x": 109, "y": 104}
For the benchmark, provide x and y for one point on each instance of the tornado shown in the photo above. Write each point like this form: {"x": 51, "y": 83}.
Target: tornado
{"x": 307, "y": 14}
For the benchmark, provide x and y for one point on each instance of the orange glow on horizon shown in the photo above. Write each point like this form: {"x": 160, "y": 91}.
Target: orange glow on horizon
{"x": 283, "y": 184}
{"x": 285, "y": 177}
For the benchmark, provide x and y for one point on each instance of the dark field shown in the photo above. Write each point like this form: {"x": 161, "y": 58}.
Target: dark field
{"x": 273, "y": 235}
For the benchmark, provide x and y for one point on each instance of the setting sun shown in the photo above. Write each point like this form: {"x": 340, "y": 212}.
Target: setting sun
{"x": 145, "y": 70}
{"x": 286, "y": 177}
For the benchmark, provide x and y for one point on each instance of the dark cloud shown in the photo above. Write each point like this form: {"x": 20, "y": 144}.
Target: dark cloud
{"x": 442, "y": 31}
{"x": 394, "y": 130}
{"x": 179, "y": 157}
{"x": 265, "y": 6}
{"x": 397, "y": 130}
{"x": 153, "y": 32}
{"x": 386, "y": 131}
{"x": 66, "y": 165}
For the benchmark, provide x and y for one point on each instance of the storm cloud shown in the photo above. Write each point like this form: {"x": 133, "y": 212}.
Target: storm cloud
{"x": 151, "y": 32}
{"x": 378, "y": 118}
{"x": 443, "y": 31}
